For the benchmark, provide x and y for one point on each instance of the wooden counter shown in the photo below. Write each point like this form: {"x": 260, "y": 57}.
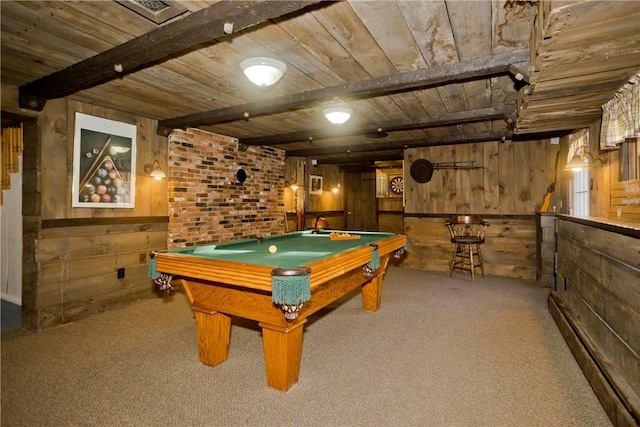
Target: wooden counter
{"x": 596, "y": 305}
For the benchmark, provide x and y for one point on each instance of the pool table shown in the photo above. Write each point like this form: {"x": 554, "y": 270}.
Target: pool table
{"x": 278, "y": 281}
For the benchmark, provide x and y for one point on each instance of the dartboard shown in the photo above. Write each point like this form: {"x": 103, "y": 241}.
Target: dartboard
{"x": 395, "y": 185}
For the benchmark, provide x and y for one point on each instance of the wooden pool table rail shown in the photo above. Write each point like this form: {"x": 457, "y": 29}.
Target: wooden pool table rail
{"x": 218, "y": 290}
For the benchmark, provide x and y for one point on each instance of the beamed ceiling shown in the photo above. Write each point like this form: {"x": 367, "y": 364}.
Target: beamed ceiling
{"x": 416, "y": 73}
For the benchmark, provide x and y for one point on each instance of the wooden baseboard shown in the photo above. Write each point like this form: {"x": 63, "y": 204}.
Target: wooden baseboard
{"x": 612, "y": 403}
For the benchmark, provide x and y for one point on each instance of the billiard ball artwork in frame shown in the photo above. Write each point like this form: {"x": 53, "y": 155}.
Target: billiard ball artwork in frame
{"x": 104, "y": 163}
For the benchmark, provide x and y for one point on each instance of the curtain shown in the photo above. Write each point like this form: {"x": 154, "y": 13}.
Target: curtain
{"x": 578, "y": 142}
{"x": 621, "y": 115}
{"x": 11, "y": 149}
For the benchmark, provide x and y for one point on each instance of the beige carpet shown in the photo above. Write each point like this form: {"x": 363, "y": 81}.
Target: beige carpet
{"x": 440, "y": 352}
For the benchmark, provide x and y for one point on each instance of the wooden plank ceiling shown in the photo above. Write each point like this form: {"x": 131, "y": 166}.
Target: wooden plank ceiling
{"x": 416, "y": 73}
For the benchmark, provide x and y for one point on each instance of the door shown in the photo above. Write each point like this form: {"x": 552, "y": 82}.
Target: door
{"x": 360, "y": 201}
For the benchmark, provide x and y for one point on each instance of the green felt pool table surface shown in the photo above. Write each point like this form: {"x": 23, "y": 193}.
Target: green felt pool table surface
{"x": 293, "y": 249}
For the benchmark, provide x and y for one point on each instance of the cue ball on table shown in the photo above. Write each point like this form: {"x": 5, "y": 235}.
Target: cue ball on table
{"x": 273, "y": 249}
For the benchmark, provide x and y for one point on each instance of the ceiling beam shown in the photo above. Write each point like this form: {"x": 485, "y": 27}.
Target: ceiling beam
{"x": 484, "y": 67}
{"x": 363, "y": 159}
{"x": 395, "y": 145}
{"x": 204, "y": 26}
{"x": 483, "y": 114}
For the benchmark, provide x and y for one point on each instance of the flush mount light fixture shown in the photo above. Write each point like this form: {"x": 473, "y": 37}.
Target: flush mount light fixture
{"x": 337, "y": 115}
{"x": 263, "y": 71}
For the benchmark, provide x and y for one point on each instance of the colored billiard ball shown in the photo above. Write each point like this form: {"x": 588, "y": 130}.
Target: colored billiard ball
{"x": 273, "y": 249}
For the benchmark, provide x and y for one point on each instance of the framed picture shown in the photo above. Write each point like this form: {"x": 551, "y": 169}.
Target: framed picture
{"x": 104, "y": 163}
{"x": 315, "y": 184}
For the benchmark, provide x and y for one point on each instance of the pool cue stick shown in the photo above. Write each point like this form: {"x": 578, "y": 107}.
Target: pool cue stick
{"x": 94, "y": 165}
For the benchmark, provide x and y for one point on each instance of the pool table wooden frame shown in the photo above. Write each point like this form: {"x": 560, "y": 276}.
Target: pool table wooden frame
{"x": 220, "y": 289}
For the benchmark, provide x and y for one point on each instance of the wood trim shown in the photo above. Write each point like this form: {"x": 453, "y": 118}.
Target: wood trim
{"x": 447, "y": 215}
{"x": 612, "y": 403}
{"x": 329, "y": 213}
{"x": 80, "y": 222}
{"x": 401, "y": 145}
{"x": 625, "y": 229}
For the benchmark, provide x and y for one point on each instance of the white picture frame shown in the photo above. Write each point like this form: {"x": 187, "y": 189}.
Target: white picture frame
{"x": 315, "y": 185}
{"x": 104, "y": 163}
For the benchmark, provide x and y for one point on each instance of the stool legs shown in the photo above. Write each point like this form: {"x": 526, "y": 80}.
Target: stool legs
{"x": 480, "y": 259}
{"x": 464, "y": 258}
{"x": 452, "y": 265}
{"x": 473, "y": 270}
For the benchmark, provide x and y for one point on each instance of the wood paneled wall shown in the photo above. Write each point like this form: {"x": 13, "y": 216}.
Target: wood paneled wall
{"x": 71, "y": 256}
{"x": 510, "y": 248}
{"x": 506, "y": 187}
{"x": 328, "y": 201}
{"x": 597, "y": 307}
{"x": 77, "y": 268}
{"x": 328, "y": 204}
{"x": 625, "y": 201}
{"x": 512, "y": 178}
{"x": 56, "y": 127}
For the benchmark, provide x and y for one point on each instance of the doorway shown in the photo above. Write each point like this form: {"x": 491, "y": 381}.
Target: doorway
{"x": 360, "y": 201}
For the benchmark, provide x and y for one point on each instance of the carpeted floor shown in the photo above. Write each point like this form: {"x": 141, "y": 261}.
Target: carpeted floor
{"x": 440, "y": 352}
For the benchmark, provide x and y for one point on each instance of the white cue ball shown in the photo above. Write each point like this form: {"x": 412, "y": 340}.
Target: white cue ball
{"x": 273, "y": 249}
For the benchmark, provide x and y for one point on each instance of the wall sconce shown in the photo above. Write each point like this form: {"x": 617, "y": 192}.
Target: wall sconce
{"x": 292, "y": 184}
{"x": 154, "y": 170}
{"x": 263, "y": 71}
{"x": 336, "y": 188}
{"x": 581, "y": 162}
{"x": 337, "y": 115}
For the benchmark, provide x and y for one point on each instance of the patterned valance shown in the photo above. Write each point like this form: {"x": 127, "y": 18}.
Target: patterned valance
{"x": 621, "y": 115}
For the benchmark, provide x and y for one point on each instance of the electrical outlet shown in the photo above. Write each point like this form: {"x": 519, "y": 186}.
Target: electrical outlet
{"x": 142, "y": 258}
{"x": 121, "y": 273}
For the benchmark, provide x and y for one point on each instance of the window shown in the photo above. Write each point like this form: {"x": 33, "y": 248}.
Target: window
{"x": 581, "y": 192}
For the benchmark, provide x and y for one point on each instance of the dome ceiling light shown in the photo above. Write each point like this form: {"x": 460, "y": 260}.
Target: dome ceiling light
{"x": 263, "y": 71}
{"x": 337, "y": 115}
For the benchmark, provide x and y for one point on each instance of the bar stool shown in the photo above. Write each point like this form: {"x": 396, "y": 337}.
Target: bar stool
{"x": 467, "y": 233}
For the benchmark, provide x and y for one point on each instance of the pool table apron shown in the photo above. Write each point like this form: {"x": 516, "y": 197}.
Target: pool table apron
{"x": 230, "y": 293}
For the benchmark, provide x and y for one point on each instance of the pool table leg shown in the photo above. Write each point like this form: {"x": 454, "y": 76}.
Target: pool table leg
{"x": 282, "y": 354}
{"x": 214, "y": 334}
{"x": 372, "y": 293}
